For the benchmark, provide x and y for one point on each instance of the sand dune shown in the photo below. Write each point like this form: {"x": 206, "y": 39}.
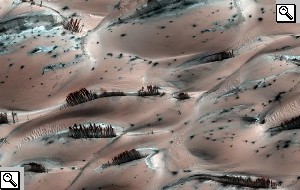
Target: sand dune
{"x": 222, "y": 111}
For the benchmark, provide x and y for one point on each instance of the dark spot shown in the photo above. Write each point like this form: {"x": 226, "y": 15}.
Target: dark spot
{"x": 65, "y": 8}
{"x": 287, "y": 144}
{"x": 156, "y": 63}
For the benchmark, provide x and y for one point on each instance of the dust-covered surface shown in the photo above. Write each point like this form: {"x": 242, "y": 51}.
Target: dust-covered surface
{"x": 237, "y": 116}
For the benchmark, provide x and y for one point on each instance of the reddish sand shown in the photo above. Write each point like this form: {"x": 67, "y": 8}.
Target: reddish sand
{"x": 226, "y": 127}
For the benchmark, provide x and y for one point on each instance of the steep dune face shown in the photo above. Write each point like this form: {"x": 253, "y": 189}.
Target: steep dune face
{"x": 237, "y": 126}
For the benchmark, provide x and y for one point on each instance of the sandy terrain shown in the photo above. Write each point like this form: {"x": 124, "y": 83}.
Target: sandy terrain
{"x": 239, "y": 68}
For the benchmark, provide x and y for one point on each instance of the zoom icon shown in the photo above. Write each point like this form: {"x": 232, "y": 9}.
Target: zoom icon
{"x": 11, "y": 178}
{"x": 285, "y": 13}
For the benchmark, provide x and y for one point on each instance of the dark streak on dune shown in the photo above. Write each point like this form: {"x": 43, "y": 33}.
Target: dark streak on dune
{"x": 154, "y": 8}
{"x": 291, "y": 124}
{"x": 290, "y": 58}
{"x": 228, "y": 180}
{"x": 34, "y": 167}
{"x": 18, "y": 24}
{"x": 220, "y": 56}
{"x": 124, "y": 157}
{"x": 91, "y": 131}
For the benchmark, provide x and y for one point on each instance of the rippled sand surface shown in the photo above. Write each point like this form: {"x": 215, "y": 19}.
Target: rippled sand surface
{"x": 239, "y": 67}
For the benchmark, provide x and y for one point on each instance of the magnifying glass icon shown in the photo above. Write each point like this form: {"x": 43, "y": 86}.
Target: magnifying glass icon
{"x": 7, "y": 177}
{"x": 283, "y": 10}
